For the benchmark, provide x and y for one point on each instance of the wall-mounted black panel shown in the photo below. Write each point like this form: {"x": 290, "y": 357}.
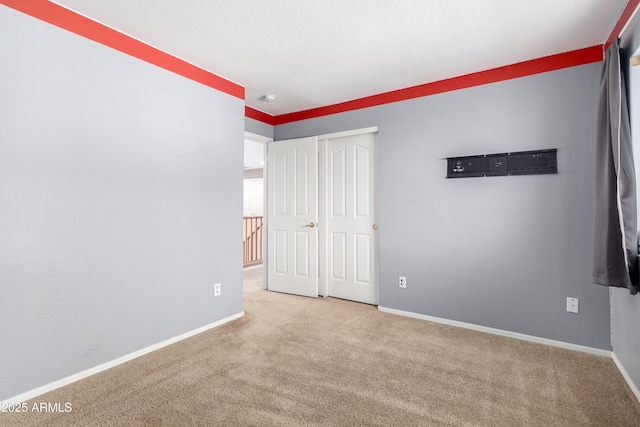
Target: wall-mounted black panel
{"x": 520, "y": 163}
{"x": 533, "y": 162}
{"x": 466, "y": 167}
{"x": 497, "y": 164}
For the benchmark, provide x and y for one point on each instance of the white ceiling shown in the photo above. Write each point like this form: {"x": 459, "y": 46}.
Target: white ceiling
{"x": 312, "y": 53}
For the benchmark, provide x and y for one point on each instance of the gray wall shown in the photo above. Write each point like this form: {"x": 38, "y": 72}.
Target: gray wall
{"x": 259, "y": 128}
{"x": 502, "y": 252}
{"x": 120, "y": 204}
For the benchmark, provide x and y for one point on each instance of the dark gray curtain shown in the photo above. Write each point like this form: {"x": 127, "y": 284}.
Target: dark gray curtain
{"x": 615, "y": 253}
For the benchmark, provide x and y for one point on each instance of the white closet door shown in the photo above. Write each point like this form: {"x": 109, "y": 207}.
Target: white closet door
{"x": 352, "y": 207}
{"x": 292, "y": 202}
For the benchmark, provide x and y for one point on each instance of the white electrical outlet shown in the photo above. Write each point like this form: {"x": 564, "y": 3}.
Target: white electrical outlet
{"x": 403, "y": 282}
{"x": 572, "y": 305}
{"x": 217, "y": 289}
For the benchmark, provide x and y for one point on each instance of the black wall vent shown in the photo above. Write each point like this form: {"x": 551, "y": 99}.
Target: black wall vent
{"x": 520, "y": 163}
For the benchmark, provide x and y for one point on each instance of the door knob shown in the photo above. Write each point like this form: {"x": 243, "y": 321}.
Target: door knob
{"x": 375, "y": 226}
{"x": 311, "y": 224}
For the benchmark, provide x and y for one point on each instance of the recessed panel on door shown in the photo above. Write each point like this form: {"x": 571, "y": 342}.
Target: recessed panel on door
{"x": 338, "y": 256}
{"x": 362, "y": 181}
{"x": 362, "y": 258}
{"x": 302, "y": 183}
{"x": 338, "y": 182}
{"x": 302, "y": 253}
{"x": 281, "y": 253}
{"x": 279, "y": 186}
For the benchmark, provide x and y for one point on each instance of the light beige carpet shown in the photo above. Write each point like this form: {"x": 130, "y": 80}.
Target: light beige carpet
{"x": 300, "y": 361}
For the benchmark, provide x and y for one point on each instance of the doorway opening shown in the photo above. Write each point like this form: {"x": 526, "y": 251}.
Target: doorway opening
{"x": 253, "y": 200}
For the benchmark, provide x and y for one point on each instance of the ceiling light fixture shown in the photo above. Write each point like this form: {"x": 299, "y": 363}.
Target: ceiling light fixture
{"x": 269, "y": 97}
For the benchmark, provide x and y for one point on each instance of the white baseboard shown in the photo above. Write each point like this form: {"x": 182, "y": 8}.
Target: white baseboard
{"x": 591, "y": 350}
{"x": 103, "y": 367}
{"x": 626, "y": 376}
{"x": 516, "y": 335}
{"x": 84, "y": 374}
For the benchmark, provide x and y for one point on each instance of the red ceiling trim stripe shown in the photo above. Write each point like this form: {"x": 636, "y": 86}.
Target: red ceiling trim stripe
{"x": 522, "y": 69}
{"x": 252, "y": 113}
{"x": 85, "y": 27}
{"x": 71, "y": 21}
{"x": 624, "y": 18}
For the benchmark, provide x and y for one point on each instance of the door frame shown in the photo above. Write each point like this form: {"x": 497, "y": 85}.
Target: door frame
{"x": 265, "y": 140}
{"x": 322, "y": 204}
